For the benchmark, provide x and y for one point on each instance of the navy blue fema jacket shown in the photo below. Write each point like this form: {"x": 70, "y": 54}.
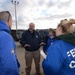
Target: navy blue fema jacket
{"x": 33, "y": 39}
{"x": 8, "y": 60}
{"x": 48, "y": 41}
{"x": 61, "y": 57}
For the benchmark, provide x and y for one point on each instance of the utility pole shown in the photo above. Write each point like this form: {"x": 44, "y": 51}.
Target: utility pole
{"x": 15, "y": 4}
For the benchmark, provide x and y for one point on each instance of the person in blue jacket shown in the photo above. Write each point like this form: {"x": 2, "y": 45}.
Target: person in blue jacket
{"x": 61, "y": 54}
{"x": 8, "y": 60}
{"x": 49, "y": 39}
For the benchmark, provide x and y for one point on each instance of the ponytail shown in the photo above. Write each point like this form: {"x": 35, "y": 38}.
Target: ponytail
{"x": 67, "y": 26}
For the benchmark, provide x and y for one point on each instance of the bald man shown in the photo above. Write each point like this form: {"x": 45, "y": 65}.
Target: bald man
{"x": 8, "y": 60}
{"x": 31, "y": 41}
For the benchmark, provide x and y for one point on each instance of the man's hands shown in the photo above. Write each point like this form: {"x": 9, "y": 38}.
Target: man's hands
{"x": 42, "y": 43}
{"x": 27, "y": 45}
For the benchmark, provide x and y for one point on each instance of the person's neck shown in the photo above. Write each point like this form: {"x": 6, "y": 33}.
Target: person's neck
{"x": 52, "y": 36}
{"x": 31, "y": 31}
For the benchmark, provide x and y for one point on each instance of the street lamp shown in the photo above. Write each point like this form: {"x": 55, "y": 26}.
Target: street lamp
{"x": 15, "y": 4}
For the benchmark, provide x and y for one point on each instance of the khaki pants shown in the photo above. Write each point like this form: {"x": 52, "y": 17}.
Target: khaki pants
{"x": 29, "y": 56}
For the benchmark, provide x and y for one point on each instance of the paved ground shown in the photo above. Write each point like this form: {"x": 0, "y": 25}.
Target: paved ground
{"x": 20, "y": 55}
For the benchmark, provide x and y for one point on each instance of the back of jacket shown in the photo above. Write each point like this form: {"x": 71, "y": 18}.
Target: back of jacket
{"x": 8, "y": 63}
{"x": 33, "y": 39}
{"x": 60, "y": 59}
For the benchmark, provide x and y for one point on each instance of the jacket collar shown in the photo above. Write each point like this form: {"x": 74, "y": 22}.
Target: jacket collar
{"x": 4, "y": 27}
{"x": 70, "y": 38}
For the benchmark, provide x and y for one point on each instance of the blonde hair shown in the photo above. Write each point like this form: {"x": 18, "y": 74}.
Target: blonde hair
{"x": 67, "y": 26}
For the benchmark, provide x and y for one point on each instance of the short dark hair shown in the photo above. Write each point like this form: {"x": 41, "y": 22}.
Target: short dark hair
{"x": 52, "y": 30}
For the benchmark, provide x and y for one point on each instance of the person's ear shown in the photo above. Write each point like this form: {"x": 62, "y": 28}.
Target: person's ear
{"x": 9, "y": 23}
{"x": 60, "y": 29}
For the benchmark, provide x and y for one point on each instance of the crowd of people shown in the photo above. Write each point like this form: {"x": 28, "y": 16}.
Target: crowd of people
{"x": 58, "y": 45}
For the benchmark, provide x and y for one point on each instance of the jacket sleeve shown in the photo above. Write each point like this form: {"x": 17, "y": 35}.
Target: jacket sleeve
{"x": 12, "y": 64}
{"x": 8, "y": 59}
{"x": 18, "y": 64}
{"x": 40, "y": 38}
{"x": 53, "y": 63}
{"x": 22, "y": 40}
{"x": 13, "y": 70}
{"x": 45, "y": 41}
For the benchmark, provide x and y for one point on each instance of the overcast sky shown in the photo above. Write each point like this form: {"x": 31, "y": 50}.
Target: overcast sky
{"x": 44, "y": 13}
